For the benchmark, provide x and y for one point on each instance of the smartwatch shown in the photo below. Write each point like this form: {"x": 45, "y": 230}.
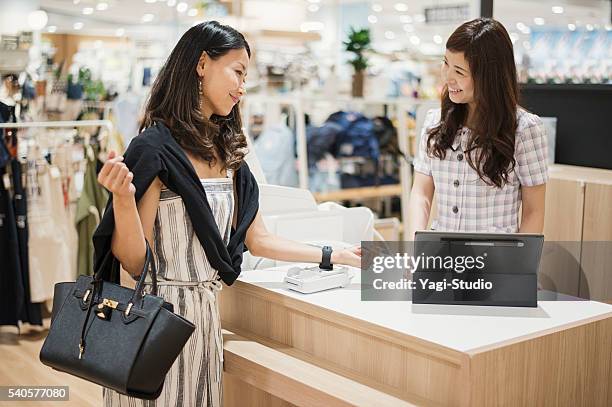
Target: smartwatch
{"x": 326, "y": 259}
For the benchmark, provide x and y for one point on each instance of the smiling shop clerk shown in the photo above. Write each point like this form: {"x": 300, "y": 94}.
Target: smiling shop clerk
{"x": 481, "y": 153}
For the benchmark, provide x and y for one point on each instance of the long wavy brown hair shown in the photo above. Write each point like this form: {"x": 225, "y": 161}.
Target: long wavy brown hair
{"x": 175, "y": 101}
{"x": 487, "y": 48}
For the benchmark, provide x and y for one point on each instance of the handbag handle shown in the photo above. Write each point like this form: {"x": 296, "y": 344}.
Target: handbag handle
{"x": 148, "y": 264}
{"x": 137, "y": 297}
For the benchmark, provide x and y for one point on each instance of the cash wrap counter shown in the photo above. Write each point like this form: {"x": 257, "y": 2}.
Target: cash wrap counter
{"x": 330, "y": 348}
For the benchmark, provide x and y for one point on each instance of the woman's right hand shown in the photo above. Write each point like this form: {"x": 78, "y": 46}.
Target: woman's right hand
{"x": 116, "y": 177}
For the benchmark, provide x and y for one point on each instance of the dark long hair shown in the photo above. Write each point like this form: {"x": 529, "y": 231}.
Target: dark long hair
{"x": 490, "y": 150}
{"x": 175, "y": 102}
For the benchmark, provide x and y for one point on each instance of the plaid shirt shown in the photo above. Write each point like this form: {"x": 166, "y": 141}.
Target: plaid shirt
{"x": 465, "y": 203}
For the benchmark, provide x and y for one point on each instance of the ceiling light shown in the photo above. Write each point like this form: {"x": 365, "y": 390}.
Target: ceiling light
{"x": 514, "y": 37}
{"x": 571, "y": 27}
{"x": 372, "y": 19}
{"x": 78, "y": 25}
{"x": 171, "y": 3}
{"x": 182, "y": 7}
{"x": 523, "y": 28}
{"x": 437, "y": 39}
{"x": 51, "y": 29}
{"x": 419, "y": 18}
{"x": 147, "y": 18}
{"x": 76, "y": 1}
{"x": 102, "y": 6}
{"x": 415, "y": 40}
{"x": 589, "y": 27}
{"x": 37, "y": 19}
{"x": 401, "y": 7}
{"x": 539, "y": 21}
{"x": 311, "y": 26}
{"x": 120, "y": 32}
{"x": 390, "y": 35}
{"x": 405, "y": 18}
{"x": 377, "y": 8}
{"x": 408, "y": 28}
{"x": 150, "y": 1}
{"x": 557, "y": 9}
{"x": 313, "y": 8}
{"x": 87, "y": 11}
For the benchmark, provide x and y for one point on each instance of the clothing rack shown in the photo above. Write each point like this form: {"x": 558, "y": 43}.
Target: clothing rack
{"x": 54, "y": 124}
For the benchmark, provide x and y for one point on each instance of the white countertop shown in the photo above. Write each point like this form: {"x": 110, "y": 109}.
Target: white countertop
{"x": 462, "y": 328}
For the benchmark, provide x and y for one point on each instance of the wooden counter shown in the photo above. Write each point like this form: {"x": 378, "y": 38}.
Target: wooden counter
{"x": 579, "y": 213}
{"x": 582, "y": 174}
{"x": 554, "y": 355}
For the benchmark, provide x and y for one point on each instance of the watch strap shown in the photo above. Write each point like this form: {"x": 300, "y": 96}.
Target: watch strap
{"x": 326, "y": 258}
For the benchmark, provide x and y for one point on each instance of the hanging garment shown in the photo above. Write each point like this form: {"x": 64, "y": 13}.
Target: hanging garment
{"x": 275, "y": 148}
{"x": 15, "y": 305}
{"x": 63, "y": 159}
{"x": 31, "y": 311}
{"x": 188, "y": 280}
{"x": 49, "y": 250}
{"x": 357, "y": 138}
{"x": 11, "y": 288}
{"x": 127, "y": 109}
{"x": 90, "y": 207}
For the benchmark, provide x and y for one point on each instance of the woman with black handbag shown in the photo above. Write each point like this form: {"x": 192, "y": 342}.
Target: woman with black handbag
{"x": 183, "y": 185}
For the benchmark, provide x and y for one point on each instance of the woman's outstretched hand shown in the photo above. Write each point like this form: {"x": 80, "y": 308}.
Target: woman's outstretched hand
{"x": 349, "y": 257}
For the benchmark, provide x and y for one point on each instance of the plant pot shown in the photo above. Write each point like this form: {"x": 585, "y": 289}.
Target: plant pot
{"x": 358, "y": 80}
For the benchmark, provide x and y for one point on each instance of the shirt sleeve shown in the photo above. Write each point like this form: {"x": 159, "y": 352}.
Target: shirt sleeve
{"x": 422, "y": 162}
{"x": 531, "y": 153}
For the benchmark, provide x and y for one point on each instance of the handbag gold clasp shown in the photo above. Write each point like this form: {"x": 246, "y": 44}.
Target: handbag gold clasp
{"x": 110, "y": 303}
{"x": 105, "y": 308}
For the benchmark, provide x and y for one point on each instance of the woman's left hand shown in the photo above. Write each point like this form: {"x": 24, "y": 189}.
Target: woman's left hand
{"x": 349, "y": 257}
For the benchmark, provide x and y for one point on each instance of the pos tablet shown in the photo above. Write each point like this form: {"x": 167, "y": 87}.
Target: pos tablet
{"x": 477, "y": 268}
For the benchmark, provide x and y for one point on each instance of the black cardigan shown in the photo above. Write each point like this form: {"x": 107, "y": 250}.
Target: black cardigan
{"x": 155, "y": 153}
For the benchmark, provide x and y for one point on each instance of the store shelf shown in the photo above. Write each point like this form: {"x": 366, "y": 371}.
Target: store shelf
{"x": 348, "y": 194}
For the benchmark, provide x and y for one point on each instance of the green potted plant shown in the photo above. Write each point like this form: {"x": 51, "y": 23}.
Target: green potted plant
{"x": 358, "y": 43}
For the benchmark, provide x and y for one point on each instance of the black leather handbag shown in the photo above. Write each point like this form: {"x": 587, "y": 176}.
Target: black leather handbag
{"x": 114, "y": 336}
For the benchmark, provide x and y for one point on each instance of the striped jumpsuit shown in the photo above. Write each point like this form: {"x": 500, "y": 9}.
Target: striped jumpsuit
{"x": 187, "y": 280}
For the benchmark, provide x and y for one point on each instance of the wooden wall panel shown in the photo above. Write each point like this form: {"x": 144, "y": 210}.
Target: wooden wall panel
{"x": 597, "y": 243}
